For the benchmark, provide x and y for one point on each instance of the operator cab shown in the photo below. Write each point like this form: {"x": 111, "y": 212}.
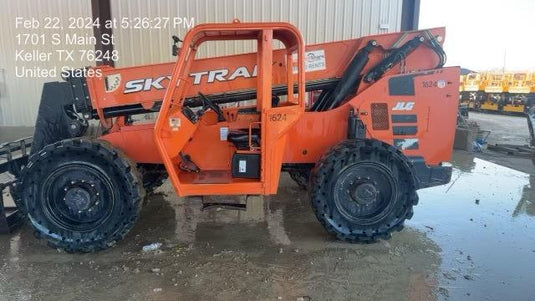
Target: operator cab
{"x": 209, "y": 146}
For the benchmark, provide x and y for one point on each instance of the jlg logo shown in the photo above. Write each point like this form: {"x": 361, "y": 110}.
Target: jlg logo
{"x": 403, "y": 106}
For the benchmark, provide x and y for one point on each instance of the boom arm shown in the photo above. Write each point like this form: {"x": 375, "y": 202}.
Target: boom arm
{"x": 231, "y": 78}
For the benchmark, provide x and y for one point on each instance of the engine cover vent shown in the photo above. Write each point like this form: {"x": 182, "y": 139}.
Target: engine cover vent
{"x": 380, "y": 116}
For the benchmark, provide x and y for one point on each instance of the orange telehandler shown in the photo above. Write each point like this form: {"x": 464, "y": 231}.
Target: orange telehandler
{"x": 381, "y": 127}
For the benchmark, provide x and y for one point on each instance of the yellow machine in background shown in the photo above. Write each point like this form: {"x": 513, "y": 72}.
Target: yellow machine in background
{"x": 520, "y": 88}
{"x": 473, "y": 90}
{"x": 512, "y": 92}
{"x": 496, "y": 92}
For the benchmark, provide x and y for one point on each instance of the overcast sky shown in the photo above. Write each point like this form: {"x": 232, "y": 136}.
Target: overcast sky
{"x": 480, "y": 32}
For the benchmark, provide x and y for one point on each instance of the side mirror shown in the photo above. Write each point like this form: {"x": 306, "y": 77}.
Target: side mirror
{"x": 175, "y": 49}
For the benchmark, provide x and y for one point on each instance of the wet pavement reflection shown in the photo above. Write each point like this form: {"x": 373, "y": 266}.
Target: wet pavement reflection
{"x": 470, "y": 239}
{"x": 483, "y": 221}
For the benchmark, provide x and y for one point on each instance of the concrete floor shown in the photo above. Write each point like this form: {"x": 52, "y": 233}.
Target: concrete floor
{"x": 473, "y": 239}
{"x": 505, "y": 129}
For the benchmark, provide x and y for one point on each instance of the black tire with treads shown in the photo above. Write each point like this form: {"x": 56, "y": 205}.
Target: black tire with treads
{"x": 81, "y": 195}
{"x": 362, "y": 190}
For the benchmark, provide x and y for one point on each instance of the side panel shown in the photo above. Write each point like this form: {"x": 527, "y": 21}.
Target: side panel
{"x": 418, "y": 119}
{"x": 425, "y": 128}
{"x": 137, "y": 142}
{"x": 421, "y": 125}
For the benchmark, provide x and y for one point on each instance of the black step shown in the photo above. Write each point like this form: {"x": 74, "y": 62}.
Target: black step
{"x": 10, "y": 218}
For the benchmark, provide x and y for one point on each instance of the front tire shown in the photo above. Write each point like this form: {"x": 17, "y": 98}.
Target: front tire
{"x": 81, "y": 195}
{"x": 363, "y": 190}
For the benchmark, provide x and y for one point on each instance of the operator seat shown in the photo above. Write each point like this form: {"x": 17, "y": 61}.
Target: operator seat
{"x": 240, "y": 138}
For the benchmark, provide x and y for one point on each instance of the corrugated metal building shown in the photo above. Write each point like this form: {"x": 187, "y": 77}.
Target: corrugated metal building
{"x": 318, "y": 20}
{"x": 19, "y": 96}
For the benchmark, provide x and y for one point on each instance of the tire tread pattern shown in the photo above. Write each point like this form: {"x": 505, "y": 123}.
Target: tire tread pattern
{"x": 132, "y": 185}
{"x": 350, "y": 152}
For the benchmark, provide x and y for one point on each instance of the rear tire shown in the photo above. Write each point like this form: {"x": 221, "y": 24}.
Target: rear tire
{"x": 362, "y": 190}
{"x": 81, "y": 195}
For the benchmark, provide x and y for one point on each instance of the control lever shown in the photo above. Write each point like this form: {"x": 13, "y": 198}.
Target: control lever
{"x": 187, "y": 164}
{"x": 207, "y": 103}
{"x": 190, "y": 114}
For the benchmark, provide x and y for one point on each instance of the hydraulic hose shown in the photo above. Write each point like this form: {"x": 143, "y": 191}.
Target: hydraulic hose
{"x": 393, "y": 59}
{"x": 348, "y": 84}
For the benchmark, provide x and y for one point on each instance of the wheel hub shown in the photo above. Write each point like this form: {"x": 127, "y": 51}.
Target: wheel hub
{"x": 364, "y": 193}
{"x": 78, "y": 199}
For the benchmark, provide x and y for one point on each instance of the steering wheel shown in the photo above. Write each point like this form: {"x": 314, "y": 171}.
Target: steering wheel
{"x": 208, "y": 103}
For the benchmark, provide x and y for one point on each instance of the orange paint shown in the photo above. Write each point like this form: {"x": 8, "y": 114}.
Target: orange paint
{"x": 288, "y": 133}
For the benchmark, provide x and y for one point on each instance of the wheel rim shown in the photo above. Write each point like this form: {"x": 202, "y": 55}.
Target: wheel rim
{"x": 364, "y": 192}
{"x": 78, "y": 197}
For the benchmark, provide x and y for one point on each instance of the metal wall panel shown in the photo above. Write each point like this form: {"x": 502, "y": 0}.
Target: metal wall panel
{"x": 19, "y": 97}
{"x": 318, "y": 20}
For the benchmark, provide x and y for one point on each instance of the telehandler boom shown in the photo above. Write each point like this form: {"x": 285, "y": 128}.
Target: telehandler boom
{"x": 362, "y": 124}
